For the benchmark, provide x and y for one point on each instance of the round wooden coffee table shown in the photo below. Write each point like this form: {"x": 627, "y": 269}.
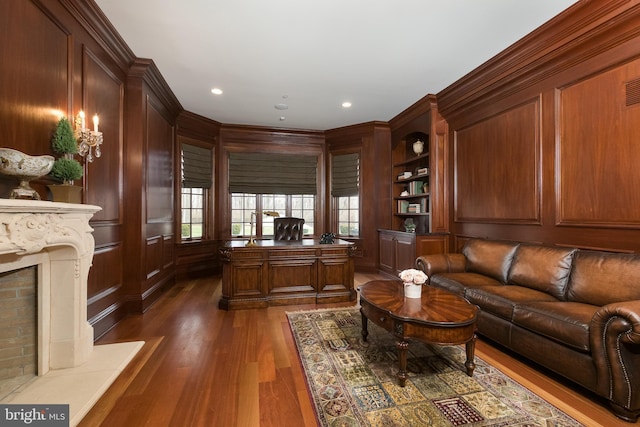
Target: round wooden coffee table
{"x": 439, "y": 317}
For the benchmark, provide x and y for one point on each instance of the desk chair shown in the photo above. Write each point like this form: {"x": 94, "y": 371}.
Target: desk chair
{"x": 288, "y": 228}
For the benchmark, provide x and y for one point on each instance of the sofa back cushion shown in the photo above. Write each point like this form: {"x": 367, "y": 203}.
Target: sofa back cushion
{"x": 489, "y": 257}
{"x": 601, "y": 278}
{"x": 543, "y": 268}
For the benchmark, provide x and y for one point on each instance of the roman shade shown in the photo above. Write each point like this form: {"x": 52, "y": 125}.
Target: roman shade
{"x": 269, "y": 173}
{"x": 345, "y": 175}
{"x": 197, "y": 168}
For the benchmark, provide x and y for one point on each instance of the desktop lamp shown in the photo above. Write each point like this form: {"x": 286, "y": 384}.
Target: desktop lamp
{"x": 252, "y": 241}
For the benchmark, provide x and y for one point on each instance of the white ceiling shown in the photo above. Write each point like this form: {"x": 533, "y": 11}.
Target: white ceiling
{"x": 381, "y": 55}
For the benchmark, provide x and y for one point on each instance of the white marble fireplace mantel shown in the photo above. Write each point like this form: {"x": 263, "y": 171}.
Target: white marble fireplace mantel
{"x": 58, "y": 239}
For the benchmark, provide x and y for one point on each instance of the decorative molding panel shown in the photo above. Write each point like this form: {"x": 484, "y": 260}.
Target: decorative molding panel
{"x": 497, "y": 168}
{"x": 598, "y": 152}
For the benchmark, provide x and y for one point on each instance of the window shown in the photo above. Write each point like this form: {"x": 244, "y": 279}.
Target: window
{"x": 243, "y": 204}
{"x": 345, "y": 189}
{"x": 196, "y": 172}
{"x": 263, "y": 182}
{"x": 348, "y": 214}
{"x": 192, "y": 213}
{"x": 304, "y": 206}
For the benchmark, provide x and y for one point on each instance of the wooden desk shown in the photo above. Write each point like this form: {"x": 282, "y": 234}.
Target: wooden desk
{"x": 439, "y": 317}
{"x": 286, "y": 272}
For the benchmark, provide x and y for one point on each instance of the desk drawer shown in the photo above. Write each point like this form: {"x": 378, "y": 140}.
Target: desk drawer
{"x": 379, "y": 317}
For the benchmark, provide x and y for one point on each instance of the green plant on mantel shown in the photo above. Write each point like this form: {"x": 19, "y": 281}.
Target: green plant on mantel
{"x": 65, "y": 168}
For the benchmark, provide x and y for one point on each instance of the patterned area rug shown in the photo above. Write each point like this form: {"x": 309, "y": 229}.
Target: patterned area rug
{"x": 354, "y": 383}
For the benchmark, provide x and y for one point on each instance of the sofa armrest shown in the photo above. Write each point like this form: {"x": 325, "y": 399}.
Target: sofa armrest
{"x": 441, "y": 263}
{"x": 615, "y": 346}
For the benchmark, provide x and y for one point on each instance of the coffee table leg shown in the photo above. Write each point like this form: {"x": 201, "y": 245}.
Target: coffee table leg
{"x": 470, "y": 364}
{"x": 402, "y": 361}
{"x": 365, "y": 331}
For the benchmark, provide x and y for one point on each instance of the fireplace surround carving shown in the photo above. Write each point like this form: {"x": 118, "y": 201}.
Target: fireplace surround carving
{"x": 58, "y": 239}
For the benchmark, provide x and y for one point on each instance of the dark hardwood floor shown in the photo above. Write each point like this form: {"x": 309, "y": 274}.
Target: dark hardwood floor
{"x": 202, "y": 366}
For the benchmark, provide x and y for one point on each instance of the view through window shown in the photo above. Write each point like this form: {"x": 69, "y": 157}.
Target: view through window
{"x": 243, "y": 204}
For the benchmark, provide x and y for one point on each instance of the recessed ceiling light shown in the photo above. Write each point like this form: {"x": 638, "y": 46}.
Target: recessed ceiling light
{"x": 346, "y": 104}
{"x": 282, "y": 118}
{"x": 216, "y": 91}
{"x": 281, "y": 106}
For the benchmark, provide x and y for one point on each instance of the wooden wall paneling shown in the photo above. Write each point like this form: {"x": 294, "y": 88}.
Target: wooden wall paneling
{"x": 153, "y": 259}
{"x": 376, "y": 172}
{"x": 579, "y": 66}
{"x": 373, "y": 141}
{"x": 103, "y": 94}
{"x": 496, "y": 167}
{"x": 582, "y": 32}
{"x": 134, "y": 163}
{"x": 149, "y": 146}
{"x": 197, "y": 257}
{"x": 598, "y": 150}
{"x": 54, "y": 63}
{"x": 159, "y": 170}
{"x": 159, "y": 193}
{"x": 100, "y": 61}
{"x": 105, "y": 305}
{"x": 33, "y": 100}
{"x": 439, "y": 175}
{"x": 168, "y": 252}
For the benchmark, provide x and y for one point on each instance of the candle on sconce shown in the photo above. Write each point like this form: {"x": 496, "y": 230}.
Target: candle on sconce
{"x": 81, "y": 114}
{"x": 95, "y": 123}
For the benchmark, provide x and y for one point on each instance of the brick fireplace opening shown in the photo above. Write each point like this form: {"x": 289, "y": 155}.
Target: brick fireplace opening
{"x": 18, "y": 328}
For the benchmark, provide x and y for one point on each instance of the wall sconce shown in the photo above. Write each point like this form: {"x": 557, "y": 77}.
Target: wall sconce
{"x": 252, "y": 241}
{"x": 89, "y": 141}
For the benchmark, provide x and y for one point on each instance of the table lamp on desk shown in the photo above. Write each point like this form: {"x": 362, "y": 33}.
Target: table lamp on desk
{"x": 252, "y": 241}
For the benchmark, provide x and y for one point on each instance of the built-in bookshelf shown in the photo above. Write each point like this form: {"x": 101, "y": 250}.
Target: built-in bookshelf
{"x": 411, "y": 183}
{"x": 418, "y": 144}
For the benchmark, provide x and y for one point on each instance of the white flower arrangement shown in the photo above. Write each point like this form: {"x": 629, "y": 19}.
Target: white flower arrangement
{"x": 413, "y": 276}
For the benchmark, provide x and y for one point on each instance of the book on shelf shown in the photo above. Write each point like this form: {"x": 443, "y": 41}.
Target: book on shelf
{"x": 422, "y": 171}
{"x": 404, "y": 175}
{"x": 415, "y": 187}
{"x": 414, "y": 208}
{"x": 423, "y": 206}
{"x": 403, "y": 206}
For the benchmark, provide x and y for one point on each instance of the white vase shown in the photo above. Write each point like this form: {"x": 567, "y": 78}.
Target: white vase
{"x": 418, "y": 147}
{"x": 411, "y": 290}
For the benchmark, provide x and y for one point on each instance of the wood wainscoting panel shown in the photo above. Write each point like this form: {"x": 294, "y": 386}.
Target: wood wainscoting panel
{"x": 497, "y": 167}
{"x": 105, "y": 307}
{"x": 36, "y": 94}
{"x": 159, "y": 151}
{"x": 598, "y": 150}
{"x": 103, "y": 94}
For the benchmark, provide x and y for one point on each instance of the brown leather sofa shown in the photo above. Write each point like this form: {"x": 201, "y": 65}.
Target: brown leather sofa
{"x": 575, "y": 312}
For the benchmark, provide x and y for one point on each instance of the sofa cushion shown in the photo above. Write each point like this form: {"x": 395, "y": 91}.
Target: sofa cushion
{"x": 563, "y": 321}
{"x": 491, "y": 258}
{"x": 601, "y": 278}
{"x": 543, "y": 268}
{"x": 457, "y": 282}
{"x": 501, "y": 300}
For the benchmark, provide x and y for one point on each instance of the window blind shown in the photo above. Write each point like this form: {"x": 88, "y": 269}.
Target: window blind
{"x": 197, "y": 167}
{"x": 269, "y": 173}
{"x": 345, "y": 175}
